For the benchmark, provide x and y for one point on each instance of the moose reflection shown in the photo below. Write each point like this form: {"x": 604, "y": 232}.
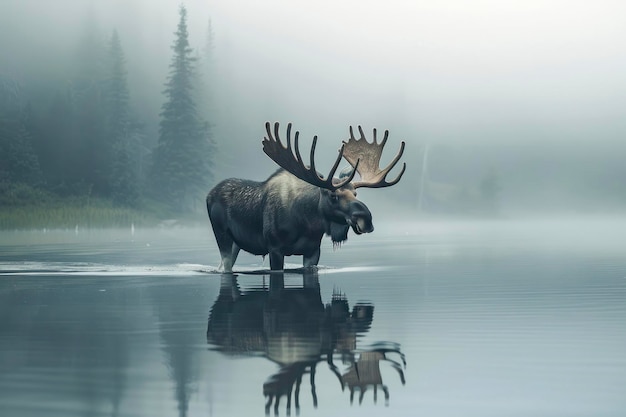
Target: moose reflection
{"x": 295, "y": 329}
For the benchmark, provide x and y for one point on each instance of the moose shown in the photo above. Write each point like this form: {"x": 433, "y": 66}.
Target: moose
{"x": 289, "y": 213}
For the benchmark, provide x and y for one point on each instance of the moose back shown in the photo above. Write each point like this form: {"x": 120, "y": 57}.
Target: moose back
{"x": 290, "y": 212}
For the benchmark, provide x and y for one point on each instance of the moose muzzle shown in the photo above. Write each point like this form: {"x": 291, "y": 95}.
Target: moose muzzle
{"x": 360, "y": 218}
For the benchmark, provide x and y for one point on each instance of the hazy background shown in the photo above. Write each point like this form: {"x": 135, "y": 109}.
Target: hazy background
{"x": 517, "y": 103}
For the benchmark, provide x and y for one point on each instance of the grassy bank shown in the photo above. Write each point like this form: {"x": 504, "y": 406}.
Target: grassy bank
{"x": 72, "y": 212}
{"x": 23, "y": 207}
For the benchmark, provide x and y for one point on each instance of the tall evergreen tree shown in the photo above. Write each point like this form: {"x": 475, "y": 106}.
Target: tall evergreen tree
{"x": 18, "y": 161}
{"x": 87, "y": 143}
{"x": 58, "y": 147}
{"x": 116, "y": 91}
{"x": 206, "y": 68}
{"x": 209, "y": 44}
{"x": 182, "y": 158}
{"x": 203, "y": 79}
{"x": 121, "y": 146}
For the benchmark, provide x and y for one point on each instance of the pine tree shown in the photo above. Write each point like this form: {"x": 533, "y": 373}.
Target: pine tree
{"x": 204, "y": 93}
{"x": 207, "y": 68}
{"x": 209, "y": 43}
{"x": 182, "y": 159}
{"x": 18, "y": 161}
{"x": 57, "y": 143}
{"x": 116, "y": 91}
{"x": 120, "y": 143}
{"x": 87, "y": 145}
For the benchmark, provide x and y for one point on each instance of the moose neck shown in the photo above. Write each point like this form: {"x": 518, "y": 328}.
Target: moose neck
{"x": 338, "y": 232}
{"x": 335, "y": 227}
{"x": 310, "y": 204}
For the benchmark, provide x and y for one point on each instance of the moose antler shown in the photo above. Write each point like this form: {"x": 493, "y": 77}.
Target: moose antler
{"x": 368, "y": 154}
{"x": 284, "y": 156}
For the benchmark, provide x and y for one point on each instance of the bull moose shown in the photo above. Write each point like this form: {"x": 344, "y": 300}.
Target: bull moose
{"x": 289, "y": 213}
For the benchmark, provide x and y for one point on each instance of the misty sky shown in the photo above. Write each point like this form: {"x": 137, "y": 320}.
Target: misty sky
{"x": 503, "y": 73}
{"x": 445, "y": 69}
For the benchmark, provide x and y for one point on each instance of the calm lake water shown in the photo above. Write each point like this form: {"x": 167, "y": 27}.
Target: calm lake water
{"x": 427, "y": 319}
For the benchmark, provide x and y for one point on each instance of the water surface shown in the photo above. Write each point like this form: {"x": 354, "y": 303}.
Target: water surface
{"x": 436, "y": 319}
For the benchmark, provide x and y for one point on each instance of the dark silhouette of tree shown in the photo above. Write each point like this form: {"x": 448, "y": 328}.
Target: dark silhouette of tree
{"x": 18, "y": 161}
{"x": 182, "y": 159}
{"x": 206, "y": 74}
{"x": 56, "y": 143}
{"x": 116, "y": 91}
{"x": 88, "y": 144}
{"x": 121, "y": 144}
{"x": 209, "y": 42}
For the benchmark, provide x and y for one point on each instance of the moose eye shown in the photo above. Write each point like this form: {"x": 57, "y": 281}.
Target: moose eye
{"x": 334, "y": 197}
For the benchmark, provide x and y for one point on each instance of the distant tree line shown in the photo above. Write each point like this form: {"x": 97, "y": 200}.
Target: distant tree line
{"x": 84, "y": 138}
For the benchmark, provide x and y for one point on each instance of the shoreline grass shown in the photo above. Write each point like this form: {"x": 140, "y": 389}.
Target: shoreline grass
{"x": 23, "y": 207}
{"x": 73, "y": 213}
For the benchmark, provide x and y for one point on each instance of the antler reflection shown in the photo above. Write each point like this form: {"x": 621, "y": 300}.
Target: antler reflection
{"x": 365, "y": 372}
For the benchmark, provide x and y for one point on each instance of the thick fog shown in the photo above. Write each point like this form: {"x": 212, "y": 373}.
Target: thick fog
{"x": 518, "y": 103}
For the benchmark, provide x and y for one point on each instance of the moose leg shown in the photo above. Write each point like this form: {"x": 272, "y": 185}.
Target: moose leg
{"x": 228, "y": 249}
{"x": 228, "y": 253}
{"x": 313, "y": 392}
{"x": 311, "y": 259}
{"x": 277, "y": 261}
{"x": 234, "y": 252}
{"x": 268, "y": 404}
{"x": 297, "y": 394}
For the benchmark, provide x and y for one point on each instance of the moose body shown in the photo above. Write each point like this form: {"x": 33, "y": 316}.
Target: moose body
{"x": 282, "y": 216}
{"x": 289, "y": 213}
